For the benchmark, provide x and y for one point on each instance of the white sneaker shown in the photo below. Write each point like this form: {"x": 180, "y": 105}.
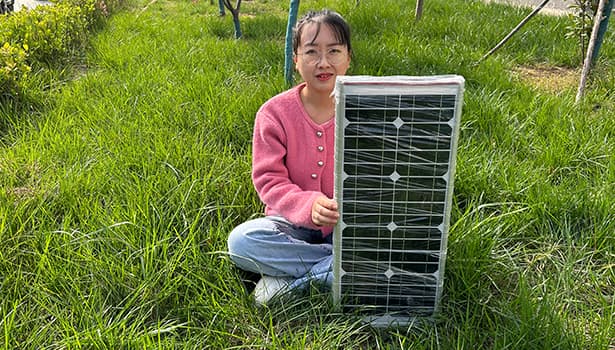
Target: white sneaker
{"x": 269, "y": 287}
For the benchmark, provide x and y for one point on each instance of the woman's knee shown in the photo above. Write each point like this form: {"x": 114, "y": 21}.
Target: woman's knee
{"x": 243, "y": 244}
{"x": 237, "y": 241}
{"x": 240, "y": 241}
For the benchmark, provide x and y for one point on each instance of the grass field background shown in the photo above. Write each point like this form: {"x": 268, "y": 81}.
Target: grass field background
{"x": 122, "y": 174}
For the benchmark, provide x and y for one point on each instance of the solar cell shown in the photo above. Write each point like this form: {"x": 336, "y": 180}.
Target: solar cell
{"x": 396, "y": 140}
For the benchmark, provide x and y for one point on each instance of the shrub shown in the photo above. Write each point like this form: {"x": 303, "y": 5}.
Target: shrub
{"x": 45, "y": 35}
{"x": 50, "y": 32}
{"x": 13, "y": 66}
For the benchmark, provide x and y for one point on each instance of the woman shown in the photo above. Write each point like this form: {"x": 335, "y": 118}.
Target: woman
{"x": 292, "y": 166}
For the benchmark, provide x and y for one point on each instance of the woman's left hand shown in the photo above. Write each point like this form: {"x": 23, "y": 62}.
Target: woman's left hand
{"x": 325, "y": 212}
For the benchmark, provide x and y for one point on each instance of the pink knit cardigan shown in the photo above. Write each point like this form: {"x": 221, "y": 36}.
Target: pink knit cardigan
{"x": 292, "y": 158}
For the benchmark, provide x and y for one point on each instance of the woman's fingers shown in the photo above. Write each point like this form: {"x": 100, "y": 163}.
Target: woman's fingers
{"x": 324, "y": 212}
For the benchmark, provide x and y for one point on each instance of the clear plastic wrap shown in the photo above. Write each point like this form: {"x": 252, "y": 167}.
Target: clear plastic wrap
{"x": 396, "y": 141}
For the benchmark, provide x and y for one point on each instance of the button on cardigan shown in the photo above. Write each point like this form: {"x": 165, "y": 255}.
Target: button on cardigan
{"x": 292, "y": 158}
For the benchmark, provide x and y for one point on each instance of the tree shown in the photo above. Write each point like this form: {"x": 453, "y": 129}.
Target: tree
{"x": 235, "y": 12}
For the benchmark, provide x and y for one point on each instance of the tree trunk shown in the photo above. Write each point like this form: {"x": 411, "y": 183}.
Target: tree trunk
{"x": 288, "y": 60}
{"x": 221, "y": 11}
{"x": 608, "y": 8}
{"x": 235, "y": 12}
{"x": 590, "y": 50}
{"x": 418, "y": 13}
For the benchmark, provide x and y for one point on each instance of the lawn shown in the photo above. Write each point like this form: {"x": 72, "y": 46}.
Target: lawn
{"x": 122, "y": 173}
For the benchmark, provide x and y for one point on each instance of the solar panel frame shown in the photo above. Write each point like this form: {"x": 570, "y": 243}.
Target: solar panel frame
{"x": 396, "y": 144}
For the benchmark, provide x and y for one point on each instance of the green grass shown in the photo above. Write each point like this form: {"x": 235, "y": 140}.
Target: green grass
{"x": 122, "y": 175}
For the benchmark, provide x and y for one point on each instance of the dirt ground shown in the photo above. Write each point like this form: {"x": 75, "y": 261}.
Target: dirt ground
{"x": 553, "y": 7}
{"x": 547, "y": 78}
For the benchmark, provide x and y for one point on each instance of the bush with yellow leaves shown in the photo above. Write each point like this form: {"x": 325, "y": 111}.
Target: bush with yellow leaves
{"x": 42, "y": 36}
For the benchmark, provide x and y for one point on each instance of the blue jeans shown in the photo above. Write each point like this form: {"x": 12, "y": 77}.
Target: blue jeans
{"x": 275, "y": 247}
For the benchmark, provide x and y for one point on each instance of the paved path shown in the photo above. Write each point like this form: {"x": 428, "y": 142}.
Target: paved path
{"x": 30, "y": 3}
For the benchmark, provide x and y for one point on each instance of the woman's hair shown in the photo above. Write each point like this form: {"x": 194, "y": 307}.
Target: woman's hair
{"x": 334, "y": 20}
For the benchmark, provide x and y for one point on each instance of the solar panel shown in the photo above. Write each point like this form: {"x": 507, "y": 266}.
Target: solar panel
{"x": 396, "y": 141}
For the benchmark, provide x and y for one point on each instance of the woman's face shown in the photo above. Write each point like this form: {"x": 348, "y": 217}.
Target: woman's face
{"x": 320, "y": 59}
